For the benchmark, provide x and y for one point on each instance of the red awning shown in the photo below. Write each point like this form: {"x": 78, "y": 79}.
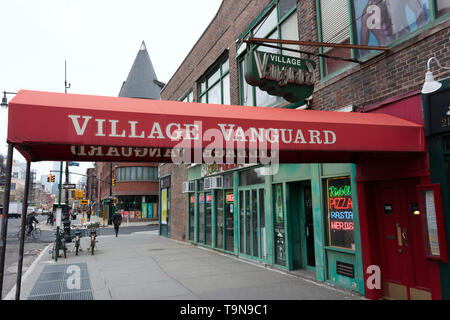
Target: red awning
{"x": 58, "y": 126}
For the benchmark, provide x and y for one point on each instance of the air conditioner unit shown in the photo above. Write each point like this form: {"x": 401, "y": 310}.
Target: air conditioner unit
{"x": 188, "y": 186}
{"x": 213, "y": 183}
{"x": 207, "y": 183}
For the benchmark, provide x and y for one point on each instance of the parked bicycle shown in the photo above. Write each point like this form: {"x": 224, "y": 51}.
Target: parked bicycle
{"x": 77, "y": 240}
{"x": 61, "y": 246}
{"x": 35, "y": 233}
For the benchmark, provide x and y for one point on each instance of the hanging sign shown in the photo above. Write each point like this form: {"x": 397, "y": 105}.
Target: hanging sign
{"x": 288, "y": 77}
{"x": 438, "y": 112}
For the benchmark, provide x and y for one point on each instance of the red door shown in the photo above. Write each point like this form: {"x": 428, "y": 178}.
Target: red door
{"x": 405, "y": 272}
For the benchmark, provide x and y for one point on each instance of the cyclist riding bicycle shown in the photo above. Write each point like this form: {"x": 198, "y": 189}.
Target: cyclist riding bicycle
{"x": 29, "y": 222}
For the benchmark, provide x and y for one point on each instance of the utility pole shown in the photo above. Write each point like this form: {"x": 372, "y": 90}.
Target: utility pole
{"x": 60, "y": 174}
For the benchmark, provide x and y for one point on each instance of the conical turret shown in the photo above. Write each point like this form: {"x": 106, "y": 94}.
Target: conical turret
{"x": 141, "y": 81}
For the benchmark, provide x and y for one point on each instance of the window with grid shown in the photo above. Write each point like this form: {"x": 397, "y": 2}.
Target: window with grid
{"x": 137, "y": 174}
{"x": 279, "y": 23}
{"x": 371, "y": 22}
{"x": 214, "y": 86}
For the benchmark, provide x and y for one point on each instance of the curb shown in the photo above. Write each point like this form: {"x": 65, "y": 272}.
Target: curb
{"x": 12, "y": 293}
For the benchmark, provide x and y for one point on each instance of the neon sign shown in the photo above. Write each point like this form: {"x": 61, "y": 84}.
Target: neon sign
{"x": 340, "y": 212}
{"x": 340, "y": 203}
{"x": 230, "y": 197}
{"x": 339, "y": 225}
{"x": 208, "y": 198}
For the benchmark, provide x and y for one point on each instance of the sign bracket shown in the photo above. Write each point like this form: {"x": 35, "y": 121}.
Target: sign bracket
{"x": 264, "y": 41}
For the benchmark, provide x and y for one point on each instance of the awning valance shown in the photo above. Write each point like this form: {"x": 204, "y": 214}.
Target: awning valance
{"x": 58, "y": 126}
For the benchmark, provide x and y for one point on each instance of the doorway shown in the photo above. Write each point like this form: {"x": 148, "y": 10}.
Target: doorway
{"x": 302, "y": 225}
{"x": 252, "y": 226}
{"x": 405, "y": 273}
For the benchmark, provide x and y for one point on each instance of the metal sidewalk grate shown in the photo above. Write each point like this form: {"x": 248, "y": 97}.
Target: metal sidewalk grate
{"x": 56, "y": 282}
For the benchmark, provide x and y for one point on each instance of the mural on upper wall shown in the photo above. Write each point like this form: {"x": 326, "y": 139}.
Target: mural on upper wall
{"x": 380, "y": 22}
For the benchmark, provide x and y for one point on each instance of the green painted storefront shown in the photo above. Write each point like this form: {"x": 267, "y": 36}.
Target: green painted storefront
{"x": 281, "y": 220}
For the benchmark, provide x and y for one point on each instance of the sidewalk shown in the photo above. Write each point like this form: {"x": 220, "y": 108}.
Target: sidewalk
{"x": 44, "y": 226}
{"x": 146, "y": 266}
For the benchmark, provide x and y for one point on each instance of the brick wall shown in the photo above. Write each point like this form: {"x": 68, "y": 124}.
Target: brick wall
{"x": 387, "y": 75}
{"x": 178, "y": 202}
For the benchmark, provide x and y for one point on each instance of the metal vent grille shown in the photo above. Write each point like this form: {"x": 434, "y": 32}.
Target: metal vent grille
{"x": 345, "y": 269}
{"x": 52, "y": 284}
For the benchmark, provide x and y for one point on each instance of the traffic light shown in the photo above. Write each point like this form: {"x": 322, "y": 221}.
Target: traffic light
{"x": 53, "y": 178}
{"x": 113, "y": 182}
{"x": 49, "y": 178}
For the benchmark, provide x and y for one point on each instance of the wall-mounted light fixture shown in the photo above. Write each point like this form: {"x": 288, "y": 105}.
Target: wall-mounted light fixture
{"x": 4, "y": 103}
{"x": 430, "y": 84}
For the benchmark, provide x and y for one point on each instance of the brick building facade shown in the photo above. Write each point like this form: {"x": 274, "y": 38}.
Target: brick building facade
{"x": 380, "y": 81}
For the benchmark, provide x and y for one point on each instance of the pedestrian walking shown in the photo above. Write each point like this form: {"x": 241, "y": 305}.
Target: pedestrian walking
{"x": 117, "y": 220}
{"x": 89, "y": 215}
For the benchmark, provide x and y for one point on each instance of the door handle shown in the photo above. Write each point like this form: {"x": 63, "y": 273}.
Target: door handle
{"x": 399, "y": 235}
{"x": 405, "y": 236}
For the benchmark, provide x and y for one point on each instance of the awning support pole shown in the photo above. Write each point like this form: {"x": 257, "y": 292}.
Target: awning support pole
{"x": 5, "y": 214}
{"x": 22, "y": 231}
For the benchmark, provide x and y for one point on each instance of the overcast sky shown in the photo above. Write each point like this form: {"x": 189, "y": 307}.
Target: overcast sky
{"x": 99, "y": 39}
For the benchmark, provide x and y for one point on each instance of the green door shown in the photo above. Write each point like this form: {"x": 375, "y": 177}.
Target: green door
{"x": 252, "y": 230}
{"x": 204, "y": 218}
{"x": 301, "y": 225}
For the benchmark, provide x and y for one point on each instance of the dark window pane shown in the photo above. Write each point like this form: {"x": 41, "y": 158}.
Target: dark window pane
{"x": 229, "y": 210}
{"x": 255, "y": 223}
{"x": 280, "y": 246}
{"x": 252, "y": 176}
{"x": 191, "y": 216}
{"x": 208, "y": 218}
{"x": 248, "y": 221}
{"x": 443, "y": 7}
{"x": 201, "y": 218}
{"x": 262, "y": 223}
{"x": 285, "y": 6}
{"x": 219, "y": 219}
{"x": 242, "y": 222}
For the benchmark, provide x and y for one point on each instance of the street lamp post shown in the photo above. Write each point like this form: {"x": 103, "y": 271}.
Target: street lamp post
{"x": 110, "y": 194}
{"x": 4, "y": 103}
{"x": 6, "y": 198}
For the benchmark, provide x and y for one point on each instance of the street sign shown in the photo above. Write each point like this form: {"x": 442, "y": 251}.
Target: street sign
{"x": 76, "y": 164}
{"x": 58, "y": 216}
{"x": 69, "y": 186}
{"x": 84, "y": 202}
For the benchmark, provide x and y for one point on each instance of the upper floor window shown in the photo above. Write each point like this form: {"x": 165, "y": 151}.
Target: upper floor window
{"x": 442, "y": 7}
{"x": 370, "y": 22}
{"x": 214, "y": 86}
{"x": 137, "y": 174}
{"x": 279, "y": 23}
